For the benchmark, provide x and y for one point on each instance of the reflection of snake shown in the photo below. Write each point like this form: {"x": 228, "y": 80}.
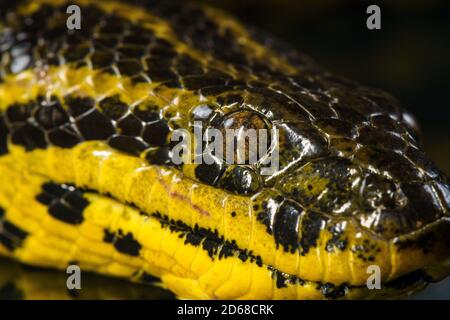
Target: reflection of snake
{"x": 87, "y": 178}
{"x": 23, "y": 282}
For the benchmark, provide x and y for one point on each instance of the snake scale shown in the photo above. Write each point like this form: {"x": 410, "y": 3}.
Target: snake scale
{"x": 86, "y": 118}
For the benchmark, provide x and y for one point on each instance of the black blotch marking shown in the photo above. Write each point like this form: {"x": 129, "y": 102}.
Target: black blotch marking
{"x": 160, "y": 73}
{"x": 14, "y": 231}
{"x": 76, "y": 54}
{"x": 53, "y": 189}
{"x": 41, "y": 122}
{"x": 108, "y": 236}
{"x": 155, "y": 133}
{"x": 136, "y": 51}
{"x": 124, "y": 243}
{"x": 101, "y": 59}
{"x": 266, "y": 213}
{"x": 50, "y": 114}
{"x": 65, "y": 213}
{"x": 11, "y": 236}
{"x": 210, "y": 241}
{"x": 20, "y": 113}
{"x": 286, "y": 226}
{"x": 113, "y": 107}
{"x": 79, "y": 105}
{"x": 64, "y": 137}
{"x": 130, "y": 125}
{"x": 3, "y": 136}
{"x": 282, "y": 280}
{"x": 337, "y": 240}
{"x": 7, "y": 242}
{"x": 366, "y": 250}
{"x": 95, "y": 126}
{"x": 311, "y": 225}
{"x": 28, "y": 136}
{"x": 76, "y": 200}
{"x": 209, "y": 173}
{"x": 129, "y": 67}
{"x": 65, "y": 202}
{"x": 128, "y": 144}
{"x": 147, "y": 113}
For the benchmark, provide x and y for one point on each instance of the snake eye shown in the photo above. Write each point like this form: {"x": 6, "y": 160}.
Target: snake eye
{"x": 380, "y": 193}
{"x": 245, "y": 133}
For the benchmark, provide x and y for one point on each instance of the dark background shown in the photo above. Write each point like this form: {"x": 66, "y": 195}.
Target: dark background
{"x": 408, "y": 57}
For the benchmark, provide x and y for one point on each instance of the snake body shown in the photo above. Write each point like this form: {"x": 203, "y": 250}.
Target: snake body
{"x": 86, "y": 118}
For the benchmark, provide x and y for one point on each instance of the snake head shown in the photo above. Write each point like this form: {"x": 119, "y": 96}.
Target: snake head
{"x": 350, "y": 158}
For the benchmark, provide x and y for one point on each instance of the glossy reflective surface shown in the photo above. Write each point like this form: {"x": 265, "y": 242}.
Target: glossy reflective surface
{"x": 19, "y": 282}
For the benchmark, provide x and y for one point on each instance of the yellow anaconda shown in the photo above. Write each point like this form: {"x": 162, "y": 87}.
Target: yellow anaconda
{"x": 87, "y": 177}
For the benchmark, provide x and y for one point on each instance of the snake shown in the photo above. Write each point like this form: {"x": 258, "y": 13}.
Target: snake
{"x": 87, "y": 120}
